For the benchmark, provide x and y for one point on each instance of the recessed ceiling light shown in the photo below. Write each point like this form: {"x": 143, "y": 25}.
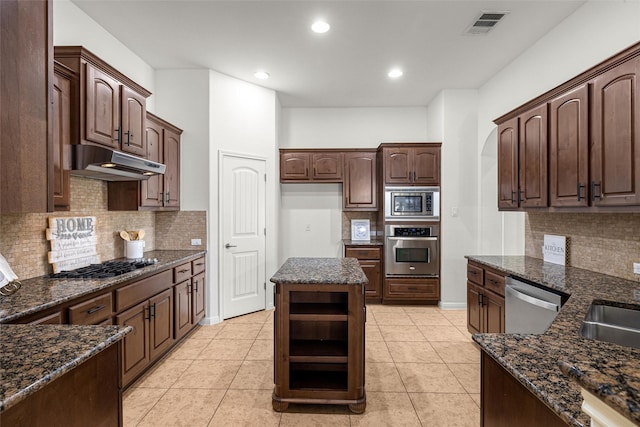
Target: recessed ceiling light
{"x": 261, "y": 75}
{"x": 395, "y": 73}
{"x": 320, "y": 27}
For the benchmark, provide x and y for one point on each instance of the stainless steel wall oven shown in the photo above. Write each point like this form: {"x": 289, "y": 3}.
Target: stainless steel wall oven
{"x": 412, "y": 250}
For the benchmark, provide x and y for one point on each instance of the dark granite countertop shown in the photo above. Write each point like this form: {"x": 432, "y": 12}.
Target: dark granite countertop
{"x": 555, "y": 364}
{"x": 40, "y": 293}
{"x": 33, "y": 356}
{"x": 372, "y": 242}
{"x": 341, "y": 271}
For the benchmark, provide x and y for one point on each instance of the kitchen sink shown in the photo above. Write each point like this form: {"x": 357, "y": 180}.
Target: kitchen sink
{"x": 612, "y": 324}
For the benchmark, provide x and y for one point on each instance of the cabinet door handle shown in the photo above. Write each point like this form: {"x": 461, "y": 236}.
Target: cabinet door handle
{"x": 513, "y": 197}
{"x": 520, "y": 196}
{"x": 168, "y": 196}
{"x": 414, "y": 177}
{"x": 196, "y": 283}
{"x": 148, "y": 314}
{"x": 127, "y": 133}
{"x": 480, "y": 299}
{"x": 593, "y": 190}
{"x": 153, "y": 314}
{"x": 95, "y": 309}
{"x": 118, "y": 132}
{"x": 579, "y": 191}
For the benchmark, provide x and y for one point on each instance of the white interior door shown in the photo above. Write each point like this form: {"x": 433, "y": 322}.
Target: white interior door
{"x": 242, "y": 232}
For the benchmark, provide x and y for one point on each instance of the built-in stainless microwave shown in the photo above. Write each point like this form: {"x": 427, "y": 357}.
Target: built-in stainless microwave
{"x": 412, "y": 203}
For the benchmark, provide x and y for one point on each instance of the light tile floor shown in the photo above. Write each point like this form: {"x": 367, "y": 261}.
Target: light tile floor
{"x": 422, "y": 369}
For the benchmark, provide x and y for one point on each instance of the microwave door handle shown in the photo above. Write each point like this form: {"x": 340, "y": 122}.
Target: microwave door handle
{"x": 532, "y": 300}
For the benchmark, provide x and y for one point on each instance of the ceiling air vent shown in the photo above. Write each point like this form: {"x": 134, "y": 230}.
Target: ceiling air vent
{"x": 485, "y": 22}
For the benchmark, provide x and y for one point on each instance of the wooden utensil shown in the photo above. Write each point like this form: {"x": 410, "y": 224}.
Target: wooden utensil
{"x": 125, "y": 235}
{"x": 140, "y": 234}
{"x": 133, "y": 235}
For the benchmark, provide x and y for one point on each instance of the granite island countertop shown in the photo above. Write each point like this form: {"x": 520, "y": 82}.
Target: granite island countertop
{"x": 555, "y": 364}
{"x": 33, "y": 356}
{"x": 341, "y": 271}
{"x": 40, "y": 293}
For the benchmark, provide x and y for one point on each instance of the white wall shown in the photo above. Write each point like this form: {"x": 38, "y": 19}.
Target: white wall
{"x": 73, "y": 27}
{"x": 350, "y": 127}
{"x": 594, "y": 32}
{"x": 453, "y": 119}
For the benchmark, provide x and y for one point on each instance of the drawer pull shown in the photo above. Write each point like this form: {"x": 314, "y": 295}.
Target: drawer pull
{"x": 95, "y": 309}
{"x": 472, "y": 272}
{"x": 183, "y": 271}
{"x": 412, "y": 288}
{"x": 199, "y": 263}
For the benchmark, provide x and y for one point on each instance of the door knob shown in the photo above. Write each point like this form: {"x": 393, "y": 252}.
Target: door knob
{"x": 229, "y": 246}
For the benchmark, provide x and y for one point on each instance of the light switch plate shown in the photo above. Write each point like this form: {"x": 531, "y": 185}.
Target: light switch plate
{"x": 636, "y": 267}
{"x": 196, "y": 242}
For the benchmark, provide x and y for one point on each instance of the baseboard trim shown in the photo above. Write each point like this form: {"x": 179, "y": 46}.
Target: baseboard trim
{"x": 210, "y": 320}
{"x": 452, "y": 305}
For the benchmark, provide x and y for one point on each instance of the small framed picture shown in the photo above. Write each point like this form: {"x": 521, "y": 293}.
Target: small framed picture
{"x": 360, "y": 229}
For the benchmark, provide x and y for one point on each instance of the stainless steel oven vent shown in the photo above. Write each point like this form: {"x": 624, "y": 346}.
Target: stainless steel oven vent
{"x": 485, "y": 22}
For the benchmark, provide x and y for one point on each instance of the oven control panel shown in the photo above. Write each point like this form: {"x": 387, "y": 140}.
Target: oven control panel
{"x": 413, "y": 231}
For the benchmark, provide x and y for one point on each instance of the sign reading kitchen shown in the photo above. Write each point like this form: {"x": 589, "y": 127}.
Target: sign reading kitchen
{"x": 554, "y": 249}
{"x": 73, "y": 242}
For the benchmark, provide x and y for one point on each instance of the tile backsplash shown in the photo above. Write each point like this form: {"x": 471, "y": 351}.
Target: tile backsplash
{"x": 23, "y": 241}
{"x": 608, "y": 243}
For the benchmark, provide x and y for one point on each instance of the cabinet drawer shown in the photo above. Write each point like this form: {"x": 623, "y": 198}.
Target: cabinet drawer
{"x": 363, "y": 253}
{"x": 494, "y": 282}
{"x": 475, "y": 274}
{"x": 143, "y": 289}
{"x": 93, "y": 311}
{"x": 197, "y": 266}
{"x": 410, "y": 289}
{"x": 182, "y": 272}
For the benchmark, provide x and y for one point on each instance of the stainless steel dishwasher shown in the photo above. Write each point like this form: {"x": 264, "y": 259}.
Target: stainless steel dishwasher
{"x": 528, "y": 308}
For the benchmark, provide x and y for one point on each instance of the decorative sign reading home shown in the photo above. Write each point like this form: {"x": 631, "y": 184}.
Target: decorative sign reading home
{"x": 73, "y": 242}
{"x": 554, "y": 249}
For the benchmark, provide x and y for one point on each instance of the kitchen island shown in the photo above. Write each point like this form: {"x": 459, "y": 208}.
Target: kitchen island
{"x": 319, "y": 333}
{"x": 60, "y": 375}
{"x": 553, "y": 366}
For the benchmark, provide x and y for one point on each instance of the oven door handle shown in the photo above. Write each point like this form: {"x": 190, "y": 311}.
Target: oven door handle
{"x": 516, "y": 293}
{"x": 412, "y": 238}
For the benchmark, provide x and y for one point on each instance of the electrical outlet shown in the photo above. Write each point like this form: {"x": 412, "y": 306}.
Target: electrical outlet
{"x": 636, "y": 267}
{"x": 307, "y": 227}
{"x": 196, "y": 242}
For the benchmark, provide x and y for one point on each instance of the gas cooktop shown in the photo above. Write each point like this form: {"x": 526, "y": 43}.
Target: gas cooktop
{"x": 104, "y": 270}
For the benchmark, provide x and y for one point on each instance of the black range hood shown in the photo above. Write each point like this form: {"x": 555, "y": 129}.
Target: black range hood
{"x": 91, "y": 161}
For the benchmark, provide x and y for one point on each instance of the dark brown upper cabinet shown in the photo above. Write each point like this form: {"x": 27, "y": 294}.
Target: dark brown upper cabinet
{"x": 411, "y": 164}
{"x": 532, "y": 155}
{"x": 360, "y": 187}
{"x": 569, "y": 148}
{"x": 310, "y": 165}
{"x": 593, "y": 146}
{"x": 61, "y": 124}
{"x": 508, "y": 164}
{"x": 26, "y": 79}
{"x": 615, "y": 136}
{"x": 110, "y": 107}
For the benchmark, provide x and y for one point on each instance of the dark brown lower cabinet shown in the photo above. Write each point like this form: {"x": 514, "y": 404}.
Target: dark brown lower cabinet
{"x": 152, "y": 323}
{"x": 485, "y": 310}
{"x": 411, "y": 290}
{"x": 319, "y": 345}
{"x": 505, "y": 402}
{"x": 370, "y": 260}
{"x": 87, "y": 395}
{"x": 189, "y": 304}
